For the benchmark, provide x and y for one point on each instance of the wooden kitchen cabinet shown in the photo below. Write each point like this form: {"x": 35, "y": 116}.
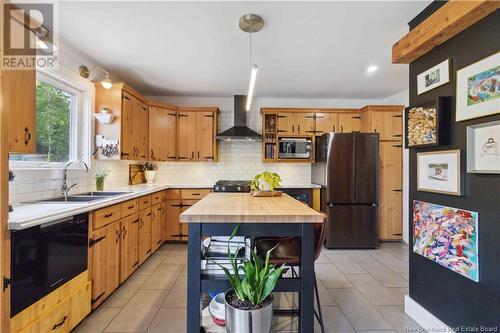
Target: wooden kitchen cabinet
{"x": 157, "y": 216}
{"x": 145, "y": 220}
{"x": 162, "y": 133}
{"x": 296, "y": 124}
{"x": 18, "y": 95}
{"x": 186, "y": 204}
{"x": 105, "y": 247}
{"x": 129, "y": 246}
{"x": 197, "y": 129}
{"x": 349, "y": 122}
{"x": 130, "y": 127}
{"x": 172, "y": 225}
{"x": 387, "y": 120}
{"x": 326, "y": 122}
{"x": 390, "y": 209}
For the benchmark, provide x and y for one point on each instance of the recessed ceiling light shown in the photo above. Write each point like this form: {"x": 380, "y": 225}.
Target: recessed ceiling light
{"x": 372, "y": 69}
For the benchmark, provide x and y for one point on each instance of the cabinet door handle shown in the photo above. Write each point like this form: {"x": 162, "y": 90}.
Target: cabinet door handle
{"x": 117, "y": 236}
{"x": 293, "y": 128}
{"x": 397, "y": 190}
{"x": 196, "y": 194}
{"x": 149, "y": 251}
{"x": 158, "y": 242}
{"x": 398, "y": 116}
{"x": 60, "y": 324}
{"x": 124, "y": 232}
{"x": 358, "y": 117}
{"x": 154, "y": 216}
{"x": 168, "y": 156}
{"x": 152, "y": 154}
{"x": 198, "y": 154}
{"x": 27, "y": 136}
{"x": 280, "y": 131}
{"x": 397, "y": 135}
{"x": 92, "y": 242}
{"x": 108, "y": 215}
{"x": 135, "y": 264}
{"x": 208, "y": 157}
{"x": 183, "y": 158}
{"x": 397, "y": 146}
{"x": 334, "y": 128}
{"x": 148, "y": 214}
{"x": 136, "y": 221}
{"x": 341, "y": 129}
{"x": 298, "y": 128}
{"x": 125, "y": 154}
{"x": 192, "y": 155}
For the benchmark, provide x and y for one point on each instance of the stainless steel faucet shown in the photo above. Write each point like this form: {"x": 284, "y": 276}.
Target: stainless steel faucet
{"x": 65, "y": 187}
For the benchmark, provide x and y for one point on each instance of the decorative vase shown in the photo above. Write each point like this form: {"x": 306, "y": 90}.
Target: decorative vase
{"x": 246, "y": 321}
{"x": 99, "y": 184}
{"x": 264, "y": 186}
{"x": 150, "y": 176}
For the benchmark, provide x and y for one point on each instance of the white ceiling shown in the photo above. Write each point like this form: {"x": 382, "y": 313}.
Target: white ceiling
{"x": 306, "y": 49}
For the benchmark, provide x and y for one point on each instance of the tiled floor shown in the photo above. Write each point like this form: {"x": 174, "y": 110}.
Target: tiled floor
{"x": 360, "y": 290}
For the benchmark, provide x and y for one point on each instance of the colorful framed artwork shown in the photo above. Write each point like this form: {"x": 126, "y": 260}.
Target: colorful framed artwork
{"x": 428, "y": 124}
{"x": 433, "y": 77}
{"x": 447, "y": 236}
{"x": 478, "y": 89}
{"x": 439, "y": 172}
{"x": 483, "y": 148}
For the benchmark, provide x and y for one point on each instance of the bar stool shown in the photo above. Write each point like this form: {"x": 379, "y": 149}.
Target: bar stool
{"x": 287, "y": 252}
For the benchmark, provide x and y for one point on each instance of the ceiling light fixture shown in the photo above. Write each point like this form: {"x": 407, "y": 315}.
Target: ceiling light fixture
{"x": 106, "y": 83}
{"x": 251, "y": 23}
{"x": 372, "y": 69}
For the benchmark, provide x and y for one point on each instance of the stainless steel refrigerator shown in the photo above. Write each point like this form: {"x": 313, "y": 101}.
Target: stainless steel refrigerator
{"x": 347, "y": 168}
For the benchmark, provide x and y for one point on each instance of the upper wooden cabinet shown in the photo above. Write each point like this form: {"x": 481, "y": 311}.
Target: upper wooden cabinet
{"x": 296, "y": 124}
{"x": 162, "y": 133}
{"x": 387, "y": 120}
{"x": 130, "y": 126}
{"x": 18, "y": 98}
{"x": 349, "y": 122}
{"x": 326, "y": 122}
{"x": 197, "y": 128}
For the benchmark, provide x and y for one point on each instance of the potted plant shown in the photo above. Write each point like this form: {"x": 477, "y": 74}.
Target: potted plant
{"x": 150, "y": 172}
{"x": 266, "y": 181}
{"x": 100, "y": 174}
{"x": 249, "y": 302}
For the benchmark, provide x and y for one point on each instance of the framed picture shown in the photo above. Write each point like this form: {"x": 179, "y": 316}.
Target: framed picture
{"x": 447, "y": 236}
{"x": 439, "y": 172}
{"x": 483, "y": 148}
{"x": 428, "y": 124}
{"x": 478, "y": 89}
{"x": 433, "y": 77}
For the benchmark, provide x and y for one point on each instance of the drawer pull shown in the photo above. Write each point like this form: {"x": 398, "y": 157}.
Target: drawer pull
{"x": 136, "y": 221}
{"x": 60, "y": 324}
{"x": 135, "y": 264}
{"x": 108, "y": 215}
{"x": 397, "y": 234}
{"x": 148, "y": 214}
{"x": 92, "y": 242}
{"x": 131, "y": 206}
{"x": 149, "y": 251}
{"x": 27, "y": 136}
{"x": 195, "y": 194}
{"x": 145, "y": 201}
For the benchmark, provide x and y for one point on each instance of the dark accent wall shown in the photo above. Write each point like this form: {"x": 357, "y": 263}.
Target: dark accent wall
{"x": 454, "y": 299}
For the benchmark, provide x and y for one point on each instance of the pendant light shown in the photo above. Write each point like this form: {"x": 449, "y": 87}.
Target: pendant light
{"x": 251, "y": 23}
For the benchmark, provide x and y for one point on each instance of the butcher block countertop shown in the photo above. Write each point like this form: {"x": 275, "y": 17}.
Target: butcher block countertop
{"x": 243, "y": 208}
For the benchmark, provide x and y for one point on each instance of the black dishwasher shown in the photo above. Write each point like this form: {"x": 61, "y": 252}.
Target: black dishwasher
{"x": 44, "y": 257}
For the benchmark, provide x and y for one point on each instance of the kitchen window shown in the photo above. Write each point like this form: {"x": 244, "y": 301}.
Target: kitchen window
{"x": 58, "y": 124}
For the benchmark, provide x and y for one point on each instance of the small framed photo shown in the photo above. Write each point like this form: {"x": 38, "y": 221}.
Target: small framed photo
{"x": 439, "y": 172}
{"x": 478, "y": 89}
{"x": 433, "y": 77}
{"x": 483, "y": 148}
{"x": 428, "y": 124}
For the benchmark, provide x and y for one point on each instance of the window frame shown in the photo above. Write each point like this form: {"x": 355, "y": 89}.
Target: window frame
{"x": 79, "y": 146}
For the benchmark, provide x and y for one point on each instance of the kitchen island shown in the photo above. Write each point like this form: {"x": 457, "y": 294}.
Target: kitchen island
{"x": 218, "y": 213}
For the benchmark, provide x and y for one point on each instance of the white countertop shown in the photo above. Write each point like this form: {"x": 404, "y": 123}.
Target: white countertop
{"x": 31, "y": 214}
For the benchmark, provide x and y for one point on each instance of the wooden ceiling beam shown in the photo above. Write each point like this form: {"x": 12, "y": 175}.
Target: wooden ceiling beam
{"x": 448, "y": 21}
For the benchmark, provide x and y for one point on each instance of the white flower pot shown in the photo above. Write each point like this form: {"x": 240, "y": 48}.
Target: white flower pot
{"x": 150, "y": 176}
{"x": 264, "y": 186}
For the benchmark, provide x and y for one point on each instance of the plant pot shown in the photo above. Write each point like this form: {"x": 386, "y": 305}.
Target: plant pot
{"x": 99, "y": 184}
{"x": 264, "y": 186}
{"x": 150, "y": 176}
{"x": 248, "y": 321}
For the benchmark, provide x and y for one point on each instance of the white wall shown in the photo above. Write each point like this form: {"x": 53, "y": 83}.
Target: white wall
{"x": 402, "y": 98}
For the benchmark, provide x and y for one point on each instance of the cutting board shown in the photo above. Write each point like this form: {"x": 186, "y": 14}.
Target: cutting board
{"x": 266, "y": 193}
{"x": 136, "y": 174}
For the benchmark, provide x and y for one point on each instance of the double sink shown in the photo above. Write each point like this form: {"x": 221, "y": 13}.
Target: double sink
{"x": 83, "y": 197}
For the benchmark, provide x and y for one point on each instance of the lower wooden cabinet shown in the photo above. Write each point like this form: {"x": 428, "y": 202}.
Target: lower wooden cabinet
{"x": 172, "y": 225}
{"x": 390, "y": 209}
{"x": 60, "y": 311}
{"x": 186, "y": 204}
{"x": 157, "y": 217}
{"x": 129, "y": 246}
{"x": 145, "y": 220}
{"x": 105, "y": 253}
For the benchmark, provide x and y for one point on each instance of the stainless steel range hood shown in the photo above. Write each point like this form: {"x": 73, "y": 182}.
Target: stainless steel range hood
{"x": 239, "y": 131}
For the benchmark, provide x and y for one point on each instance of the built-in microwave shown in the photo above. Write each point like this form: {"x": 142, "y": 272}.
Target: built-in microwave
{"x": 295, "y": 148}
